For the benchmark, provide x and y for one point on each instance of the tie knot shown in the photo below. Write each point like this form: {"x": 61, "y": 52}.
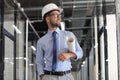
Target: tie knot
{"x": 54, "y": 33}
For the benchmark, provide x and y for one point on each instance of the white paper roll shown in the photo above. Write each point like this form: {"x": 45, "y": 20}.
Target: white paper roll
{"x": 71, "y": 44}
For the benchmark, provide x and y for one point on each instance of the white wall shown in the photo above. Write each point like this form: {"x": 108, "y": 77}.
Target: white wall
{"x": 112, "y": 48}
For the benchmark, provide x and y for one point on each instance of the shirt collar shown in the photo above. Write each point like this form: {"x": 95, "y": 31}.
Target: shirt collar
{"x": 51, "y": 31}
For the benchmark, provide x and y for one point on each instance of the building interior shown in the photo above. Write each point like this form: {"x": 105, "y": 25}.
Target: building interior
{"x": 87, "y": 19}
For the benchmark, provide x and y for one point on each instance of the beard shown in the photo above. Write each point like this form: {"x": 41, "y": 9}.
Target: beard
{"x": 53, "y": 24}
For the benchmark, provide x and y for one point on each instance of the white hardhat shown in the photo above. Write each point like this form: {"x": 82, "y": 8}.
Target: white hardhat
{"x": 49, "y": 7}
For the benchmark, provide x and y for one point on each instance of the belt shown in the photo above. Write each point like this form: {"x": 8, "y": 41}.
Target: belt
{"x": 60, "y": 73}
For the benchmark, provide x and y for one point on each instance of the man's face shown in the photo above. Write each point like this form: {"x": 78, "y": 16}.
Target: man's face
{"x": 54, "y": 18}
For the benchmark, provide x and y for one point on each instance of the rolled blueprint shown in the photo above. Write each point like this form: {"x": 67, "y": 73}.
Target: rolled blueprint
{"x": 71, "y": 44}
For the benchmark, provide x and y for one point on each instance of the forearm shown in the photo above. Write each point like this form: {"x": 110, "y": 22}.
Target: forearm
{"x": 72, "y": 55}
{"x": 65, "y": 56}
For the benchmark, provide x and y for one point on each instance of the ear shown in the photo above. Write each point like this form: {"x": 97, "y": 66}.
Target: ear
{"x": 47, "y": 19}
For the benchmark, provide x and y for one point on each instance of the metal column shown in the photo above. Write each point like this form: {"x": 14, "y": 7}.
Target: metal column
{"x": 1, "y": 40}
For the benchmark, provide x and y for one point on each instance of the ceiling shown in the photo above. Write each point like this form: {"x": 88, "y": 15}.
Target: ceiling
{"x": 33, "y": 7}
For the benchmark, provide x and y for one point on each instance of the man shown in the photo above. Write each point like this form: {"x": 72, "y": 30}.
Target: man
{"x": 53, "y": 56}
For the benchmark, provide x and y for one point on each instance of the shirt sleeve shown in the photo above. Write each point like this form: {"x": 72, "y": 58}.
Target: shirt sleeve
{"x": 40, "y": 59}
{"x": 78, "y": 49}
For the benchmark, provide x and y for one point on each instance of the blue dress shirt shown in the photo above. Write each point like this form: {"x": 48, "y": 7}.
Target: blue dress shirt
{"x": 44, "y": 51}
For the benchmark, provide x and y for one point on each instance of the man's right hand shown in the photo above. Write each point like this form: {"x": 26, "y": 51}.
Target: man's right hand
{"x": 41, "y": 76}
